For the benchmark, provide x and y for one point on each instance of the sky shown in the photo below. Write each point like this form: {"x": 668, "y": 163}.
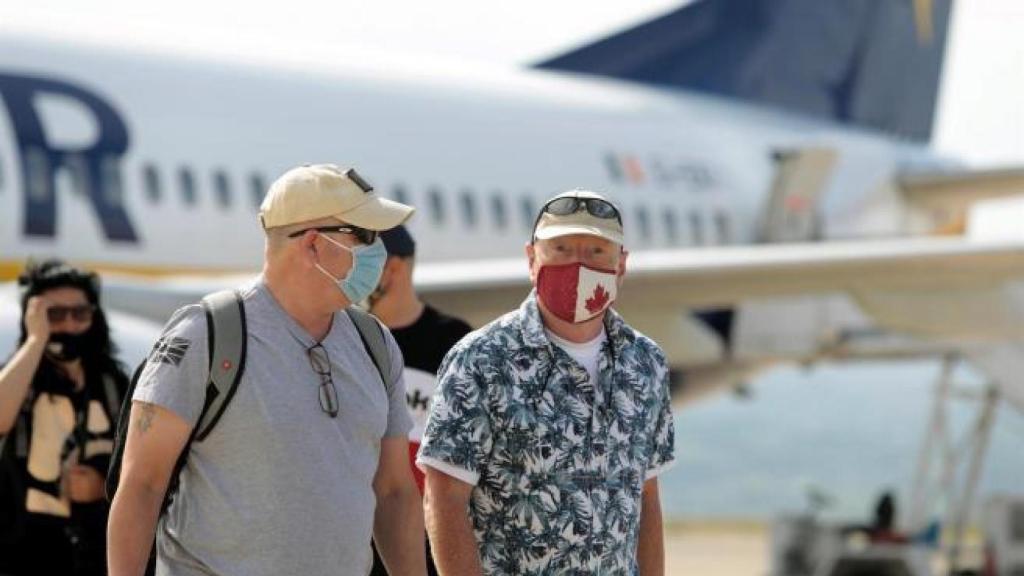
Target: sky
{"x": 980, "y": 117}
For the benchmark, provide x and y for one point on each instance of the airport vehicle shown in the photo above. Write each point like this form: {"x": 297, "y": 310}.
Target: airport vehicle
{"x": 1003, "y": 527}
{"x": 770, "y": 159}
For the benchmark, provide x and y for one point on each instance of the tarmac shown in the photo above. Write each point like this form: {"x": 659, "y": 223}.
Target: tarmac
{"x": 718, "y": 548}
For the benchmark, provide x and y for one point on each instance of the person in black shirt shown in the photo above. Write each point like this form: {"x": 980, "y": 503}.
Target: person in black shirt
{"x": 59, "y": 397}
{"x": 423, "y": 334}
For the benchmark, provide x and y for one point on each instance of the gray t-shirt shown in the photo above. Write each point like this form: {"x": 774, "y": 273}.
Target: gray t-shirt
{"x": 278, "y": 487}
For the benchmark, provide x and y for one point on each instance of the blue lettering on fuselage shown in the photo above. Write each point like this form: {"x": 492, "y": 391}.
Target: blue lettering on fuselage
{"x": 97, "y": 167}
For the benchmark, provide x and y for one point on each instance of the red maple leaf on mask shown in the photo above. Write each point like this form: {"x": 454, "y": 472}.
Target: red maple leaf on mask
{"x": 596, "y": 302}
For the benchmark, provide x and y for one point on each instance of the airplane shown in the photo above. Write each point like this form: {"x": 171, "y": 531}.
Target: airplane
{"x": 769, "y": 157}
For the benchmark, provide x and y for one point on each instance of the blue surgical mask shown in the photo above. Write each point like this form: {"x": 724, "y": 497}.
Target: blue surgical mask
{"x": 363, "y": 276}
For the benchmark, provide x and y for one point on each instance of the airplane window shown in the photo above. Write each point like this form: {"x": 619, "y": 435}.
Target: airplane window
{"x": 400, "y": 194}
{"x": 222, "y": 188}
{"x": 529, "y": 212}
{"x": 498, "y": 208}
{"x": 643, "y": 220}
{"x": 257, "y": 188}
{"x": 468, "y": 208}
{"x": 671, "y": 225}
{"x": 110, "y": 180}
{"x": 722, "y": 227}
{"x": 151, "y": 180}
{"x": 696, "y": 228}
{"x": 436, "y": 206}
{"x": 38, "y": 168}
{"x": 187, "y": 182}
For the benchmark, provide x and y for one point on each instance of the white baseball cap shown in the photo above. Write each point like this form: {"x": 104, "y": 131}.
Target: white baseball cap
{"x": 559, "y": 217}
{"x": 312, "y": 192}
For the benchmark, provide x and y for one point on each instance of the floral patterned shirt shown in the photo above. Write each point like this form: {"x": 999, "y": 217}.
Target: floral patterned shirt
{"x": 557, "y": 462}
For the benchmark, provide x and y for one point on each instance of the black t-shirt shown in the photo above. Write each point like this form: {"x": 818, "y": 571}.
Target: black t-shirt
{"x": 425, "y": 342}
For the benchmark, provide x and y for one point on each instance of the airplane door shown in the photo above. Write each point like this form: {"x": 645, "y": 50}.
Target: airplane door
{"x": 791, "y": 213}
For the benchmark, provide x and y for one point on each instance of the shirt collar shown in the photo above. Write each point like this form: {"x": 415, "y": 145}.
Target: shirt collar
{"x": 266, "y": 298}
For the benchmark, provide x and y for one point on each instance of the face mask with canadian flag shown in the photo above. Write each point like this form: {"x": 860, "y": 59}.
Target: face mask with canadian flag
{"x": 574, "y": 292}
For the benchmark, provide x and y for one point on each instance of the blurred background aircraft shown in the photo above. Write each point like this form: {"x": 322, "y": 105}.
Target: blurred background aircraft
{"x": 827, "y": 144}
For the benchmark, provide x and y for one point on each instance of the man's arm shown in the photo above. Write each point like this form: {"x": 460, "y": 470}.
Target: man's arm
{"x": 451, "y": 532}
{"x": 156, "y": 437}
{"x": 650, "y": 552}
{"x": 398, "y": 523}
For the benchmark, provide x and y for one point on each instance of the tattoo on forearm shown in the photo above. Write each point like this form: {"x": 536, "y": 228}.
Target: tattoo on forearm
{"x": 146, "y": 414}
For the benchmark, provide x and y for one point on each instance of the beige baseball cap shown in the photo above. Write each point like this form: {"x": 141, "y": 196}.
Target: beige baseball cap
{"x": 312, "y": 192}
{"x": 580, "y": 221}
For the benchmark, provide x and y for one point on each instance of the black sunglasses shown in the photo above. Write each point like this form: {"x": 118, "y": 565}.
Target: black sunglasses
{"x": 362, "y": 234}
{"x": 321, "y": 364}
{"x": 79, "y": 313}
{"x": 567, "y": 205}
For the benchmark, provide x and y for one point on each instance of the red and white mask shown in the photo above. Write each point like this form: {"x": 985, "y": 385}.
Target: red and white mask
{"x": 575, "y": 292}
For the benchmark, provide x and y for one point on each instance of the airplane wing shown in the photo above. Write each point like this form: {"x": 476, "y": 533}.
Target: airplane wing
{"x": 919, "y": 297}
{"x": 929, "y": 271}
{"x": 906, "y": 296}
{"x": 927, "y": 286}
{"x": 948, "y": 199}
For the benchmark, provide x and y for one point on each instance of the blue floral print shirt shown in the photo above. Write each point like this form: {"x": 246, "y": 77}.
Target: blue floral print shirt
{"x": 557, "y": 462}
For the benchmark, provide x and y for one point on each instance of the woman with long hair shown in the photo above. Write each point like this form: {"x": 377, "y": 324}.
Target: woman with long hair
{"x": 59, "y": 396}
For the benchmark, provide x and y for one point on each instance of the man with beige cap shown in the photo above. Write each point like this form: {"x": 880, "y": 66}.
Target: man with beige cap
{"x": 551, "y": 425}
{"x": 310, "y": 457}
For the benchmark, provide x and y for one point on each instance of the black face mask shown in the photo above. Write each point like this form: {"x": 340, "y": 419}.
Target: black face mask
{"x": 66, "y": 347}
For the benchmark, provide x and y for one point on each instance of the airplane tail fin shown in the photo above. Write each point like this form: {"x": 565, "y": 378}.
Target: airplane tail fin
{"x": 873, "y": 63}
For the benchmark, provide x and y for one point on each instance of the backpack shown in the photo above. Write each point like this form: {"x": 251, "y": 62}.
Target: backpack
{"x": 226, "y": 344}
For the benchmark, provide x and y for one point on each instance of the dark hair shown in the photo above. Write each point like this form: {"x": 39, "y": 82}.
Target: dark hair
{"x": 38, "y": 277}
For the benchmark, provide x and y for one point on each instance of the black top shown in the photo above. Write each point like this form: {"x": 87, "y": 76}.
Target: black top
{"x": 425, "y": 342}
{"x": 62, "y": 425}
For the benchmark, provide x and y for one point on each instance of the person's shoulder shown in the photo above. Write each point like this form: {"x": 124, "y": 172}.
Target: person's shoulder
{"x": 504, "y": 332}
{"x": 186, "y": 319}
{"x": 186, "y": 329}
{"x": 643, "y": 344}
{"x": 450, "y": 326}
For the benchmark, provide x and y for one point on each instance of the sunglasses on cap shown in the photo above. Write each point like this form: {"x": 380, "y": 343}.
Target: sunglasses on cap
{"x": 79, "y": 313}
{"x": 362, "y": 234}
{"x": 567, "y": 205}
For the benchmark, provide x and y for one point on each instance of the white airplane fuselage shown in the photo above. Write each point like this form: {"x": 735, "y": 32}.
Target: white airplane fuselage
{"x": 475, "y": 152}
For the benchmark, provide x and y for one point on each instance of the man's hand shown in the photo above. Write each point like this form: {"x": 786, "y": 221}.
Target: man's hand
{"x": 451, "y": 533}
{"x": 398, "y": 522}
{"x": 37, "y": 324}
{"x": 650, "y": 552}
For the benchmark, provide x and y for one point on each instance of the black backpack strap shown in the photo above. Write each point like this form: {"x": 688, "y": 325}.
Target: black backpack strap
{"x": 121, "y": 434}
{"x": 111, "y": 396}
{"x": 20, "y": 430}
{"x": 372, "y": 334}
{"x": 226, "y": 343}
{"x": 226, "y": 346}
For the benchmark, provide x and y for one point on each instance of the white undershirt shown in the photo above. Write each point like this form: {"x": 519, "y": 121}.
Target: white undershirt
{"x": 585, "y": 353}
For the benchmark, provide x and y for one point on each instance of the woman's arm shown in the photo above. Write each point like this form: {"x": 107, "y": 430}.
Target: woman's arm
{"x": 16, "y": 376}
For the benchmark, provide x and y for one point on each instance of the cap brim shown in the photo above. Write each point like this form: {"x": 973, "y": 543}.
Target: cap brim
{"x": 377, "y": 214}
{"x": 555, "y": 230}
